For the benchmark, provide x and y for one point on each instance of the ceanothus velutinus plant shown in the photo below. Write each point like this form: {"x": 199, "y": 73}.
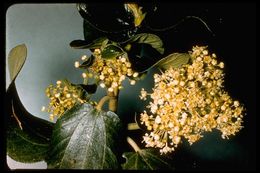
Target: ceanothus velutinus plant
{"x": 187, "y": 99}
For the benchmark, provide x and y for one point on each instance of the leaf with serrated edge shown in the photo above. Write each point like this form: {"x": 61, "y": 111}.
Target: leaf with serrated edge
{"x": 145, "y": 159}
{"x": 83, "y": 139}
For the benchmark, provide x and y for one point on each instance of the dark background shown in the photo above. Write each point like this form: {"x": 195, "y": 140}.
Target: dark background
{"x": 234, "y": 41}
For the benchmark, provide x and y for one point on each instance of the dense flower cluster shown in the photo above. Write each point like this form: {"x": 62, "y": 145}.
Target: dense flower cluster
{"x": 62, "y": 97}
{"x": 188, "y": 101}
{"x": 110, "y": 72}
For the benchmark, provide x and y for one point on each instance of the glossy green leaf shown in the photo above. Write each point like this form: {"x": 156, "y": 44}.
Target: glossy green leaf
{"x": 111, "y": 51}
{"x": 145, "y": 159}
{"x": 174, "y": 60}
{"x": 150, "y": 39}
{"x": 16, "y": 59}
{"x": 82, "y": 44}
{"x": 83, "y": 139}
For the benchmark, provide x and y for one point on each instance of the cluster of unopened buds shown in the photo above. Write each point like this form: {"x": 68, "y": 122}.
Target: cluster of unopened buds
{"x": 62, "y": 97}
{"x": 189, "y": 101}
{"x": 110, "y": 72}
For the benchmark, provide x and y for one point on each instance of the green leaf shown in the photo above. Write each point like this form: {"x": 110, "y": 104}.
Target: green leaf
{"x": 150, "y": 39}
{"x": 16, "y": 59}
{"x": 83, "y": 139}
{"x": 27, "y": 136}
{"x": 82, "y": 44}
{"x": 111, "y": 51}
{"x": 145, "y": 159}
{"x": 173, "y": 60}
{"x": 24, "y": 145}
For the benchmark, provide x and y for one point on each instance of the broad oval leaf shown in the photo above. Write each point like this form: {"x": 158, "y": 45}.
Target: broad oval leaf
{"x": 16, "y": 59}
{"x": 147, "y": 38}
{"x": 173, "y": 60}
{"x": 111, "y": 51}
{"x": 83, "y": 139}
{"x": 145, "y": 159}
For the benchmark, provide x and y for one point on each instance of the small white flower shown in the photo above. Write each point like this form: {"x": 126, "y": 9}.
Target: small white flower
{"x": 84, "y": 57}
{"x": 84, "y": 75}
{"x": 57, "y": 95}
{"x": 135, "y": 74}
{"x": 221, "y": 65}
{"x": 101, "y": 77}
{"x": 205, "y": 52}
{"x": 58, "y": 82}
{"x": 123, "y": 59}
{"x": 157, "y": 119}
{"x": 110, "y": 89}
{"x": 170, "y": 125}
{"x": 236, "y": 103}
{"x": 76, "y": 64}
{"x": 132, "y": 82}
{"x": 102, "y": 85}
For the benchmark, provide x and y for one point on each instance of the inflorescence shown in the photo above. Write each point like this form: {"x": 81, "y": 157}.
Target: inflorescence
{"x": 188, "y": 101}
{"x": 110, "y": 72}
{"x": 62, "y": 97}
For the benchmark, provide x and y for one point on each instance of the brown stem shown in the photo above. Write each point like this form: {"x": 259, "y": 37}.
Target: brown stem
{"x": 112, "y": 105}
{"x": 102, "y": 102}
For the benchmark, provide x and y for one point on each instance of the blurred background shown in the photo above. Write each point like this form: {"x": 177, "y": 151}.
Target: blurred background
{"x": 47, "y": 30}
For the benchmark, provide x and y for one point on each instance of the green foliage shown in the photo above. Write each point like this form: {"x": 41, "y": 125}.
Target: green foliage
{"x": 16, "y": 59}
{"x": 173, "y": 60}
{"x": 83, "y": 139}
{"x": 150, "y": 39}
{"x": 27, "y": 136}
{"x": 111, "y": 51}
{"x": 24, "y": 145}
{"x": 146, "y": 159}
{"x": 82, "y": 44}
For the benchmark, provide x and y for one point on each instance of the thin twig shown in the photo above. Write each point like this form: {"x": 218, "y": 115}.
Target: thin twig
{"x": 133, "y": 144}
{"x": 102, "y": 102}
